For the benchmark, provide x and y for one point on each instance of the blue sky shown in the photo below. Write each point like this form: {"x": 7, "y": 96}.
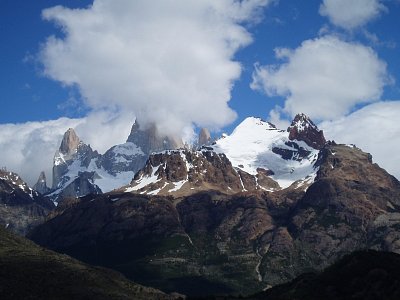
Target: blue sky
{"x": 40, "y": 83}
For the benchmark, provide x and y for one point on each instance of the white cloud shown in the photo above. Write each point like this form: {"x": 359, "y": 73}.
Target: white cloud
{"x": 324, "y": 77}
{"x": 375, "y": 129}
{"x": 351, "y": 14}
{"x": 169, "y": 62}
{"x": 275, "y": 117}
{"x": 28, "y": 148}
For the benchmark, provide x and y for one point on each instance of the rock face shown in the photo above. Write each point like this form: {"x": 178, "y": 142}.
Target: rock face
{"x": 204, "y": 137}
{"x": 69, "y": 143}
{"x": 184, "y": 172}
{"x": 41, "y": 184}
{"x": 303, "y": 129}
{"x": 23, "y": 264}
{"x": 21, "y": 208}
{"x": 214, "y": 242}
{"x": 150, "y": 140}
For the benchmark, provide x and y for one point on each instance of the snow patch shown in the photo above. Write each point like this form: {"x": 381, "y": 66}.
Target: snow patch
{"x": 178, "y": 185}
{"x": 144, "y": 181}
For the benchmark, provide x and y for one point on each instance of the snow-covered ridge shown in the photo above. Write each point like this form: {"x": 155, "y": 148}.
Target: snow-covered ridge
{"x": 102, "y": 178}
{"x": 183, "y": 171}
{"x": 17, "y": 183}
{"x": 302, "y": 123}
{"x": 254, "y": 144}
{"x": 271, "y": 158}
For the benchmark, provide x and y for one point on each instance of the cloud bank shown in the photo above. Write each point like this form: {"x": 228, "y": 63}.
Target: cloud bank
{"x": 169, "y": 62}
{"x": 28, "y": 148}
{"x": 350, "y": 14}
{"x": 325, "y": 78}
{"x": 375, "y": 129}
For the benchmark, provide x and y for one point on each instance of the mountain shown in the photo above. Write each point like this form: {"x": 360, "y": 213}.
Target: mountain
{"x": 196, "y": 222}
{"x": 256, "y": 156}
{"x": 28, "y": 271}
{"x": 257, "y": 146}
{"x": 21, "y": 207}
{"x": 303, "y": 129}
{"x": 184, "y": 172}
{"x": 150, "y": 140}
{"x": 41, "y": 184}
{"x": 79, "y": 170}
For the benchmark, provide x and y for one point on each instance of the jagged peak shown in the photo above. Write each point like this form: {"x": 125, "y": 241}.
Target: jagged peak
{"x": 41, "y": 184}
{"x": 70, "y": 142}
{"x": 302, "y": 122}
{"x": 303, "y": 129}
{"x": 204, "y": 137}
{"x": 150, "y": 140}
{"x": 42, "y": 177}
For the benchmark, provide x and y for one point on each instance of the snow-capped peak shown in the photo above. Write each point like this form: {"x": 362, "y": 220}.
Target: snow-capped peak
{"x": 303, "y": 129}
{"x": 301, "y": 122}
{"x": 256, "y": 144}
{"x": 16, "y": 182}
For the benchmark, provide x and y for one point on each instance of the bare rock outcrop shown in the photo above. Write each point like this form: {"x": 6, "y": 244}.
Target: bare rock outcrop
{"x": 41, "y": 184}
{"x": 303, "y": 129}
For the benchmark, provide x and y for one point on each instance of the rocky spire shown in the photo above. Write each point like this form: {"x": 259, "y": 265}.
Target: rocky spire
{"x": 69, "y": 142}
{"x": 204, "y": 137}
{"x": 303, "y": 129}
{"x": 41, "y": 185}
{"x": 150, "y": 140}
{"x": 71, "y": 149}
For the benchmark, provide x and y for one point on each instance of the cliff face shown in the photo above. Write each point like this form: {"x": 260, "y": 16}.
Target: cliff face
{"x": 150, "y": 140}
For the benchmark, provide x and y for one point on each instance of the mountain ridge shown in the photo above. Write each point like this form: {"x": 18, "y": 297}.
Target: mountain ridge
{"x": 235, "y": 243}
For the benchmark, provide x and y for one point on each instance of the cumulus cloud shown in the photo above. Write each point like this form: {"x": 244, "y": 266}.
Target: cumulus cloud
{"x": 28, "y": 148}
{"x": 169, "y": 62}
{"x": 325, "y": 77}
{"x": 350, "y": 14}
{"x": 375, "y": 129}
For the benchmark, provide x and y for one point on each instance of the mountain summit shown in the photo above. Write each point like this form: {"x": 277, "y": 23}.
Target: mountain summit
{"x": 41, "y": 184}
{"x": 151, "y": 140}
{"x": 303, "y": 129}
{"x": 70, "y": 142}
{"x": 256, "y": 145}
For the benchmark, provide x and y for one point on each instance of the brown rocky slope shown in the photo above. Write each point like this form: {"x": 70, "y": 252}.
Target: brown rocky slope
{"x": 212, "y": 242}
